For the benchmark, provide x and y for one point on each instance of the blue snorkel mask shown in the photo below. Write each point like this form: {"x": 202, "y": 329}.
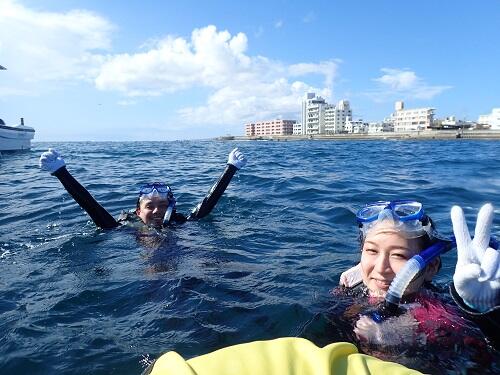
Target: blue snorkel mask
{"x": 407, "y": 216}
{"x": 163, "y": 191}
{"x": 404, "y": 210}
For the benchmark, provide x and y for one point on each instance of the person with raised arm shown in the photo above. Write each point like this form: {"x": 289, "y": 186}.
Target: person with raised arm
{"x": 476, "y": 281}
{"x": 156, "y": 204}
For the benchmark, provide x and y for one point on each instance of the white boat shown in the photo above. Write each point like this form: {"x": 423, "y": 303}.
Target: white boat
{"x": 17, "y": 137}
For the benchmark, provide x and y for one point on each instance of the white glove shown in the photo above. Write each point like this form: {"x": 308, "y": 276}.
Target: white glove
{"x": 351, "y": 277}
{"x": 237, "y": 158}
{"x": 477, "y": 274}
{"x": 51, "y": 161}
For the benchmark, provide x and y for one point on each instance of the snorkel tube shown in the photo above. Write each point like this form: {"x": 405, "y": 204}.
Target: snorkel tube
{"x": 168, "y": 213}
{"x": 416, "y": 264}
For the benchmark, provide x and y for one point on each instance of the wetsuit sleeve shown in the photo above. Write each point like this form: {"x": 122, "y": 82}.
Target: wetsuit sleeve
{"x": 489, "y": 321}
{"x": 97, "y": 213}
{"x": 214, "y": 194}
{"x": 178, "y": 218}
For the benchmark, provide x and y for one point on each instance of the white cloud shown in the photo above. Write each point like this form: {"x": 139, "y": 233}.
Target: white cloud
{"x": 403, "y": 83}
{"x": 398, "y": 79}
{"x": 278, "y": 24}
{"x": 242, "y": 86}
{"x": 239, "y": 104}
{"x": 327, "y": 68}
{"x": 43, "y": 49}
{"x": 175, "y": 64}
{"x": 41, "y": 46}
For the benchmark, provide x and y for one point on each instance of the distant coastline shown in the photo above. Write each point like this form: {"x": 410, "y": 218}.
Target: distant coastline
{"x": 420, "y": 135}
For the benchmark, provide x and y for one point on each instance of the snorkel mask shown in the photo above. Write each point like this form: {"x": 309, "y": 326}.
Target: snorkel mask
{"x": 161, "y": 190}
{"x": 405, "y": 216}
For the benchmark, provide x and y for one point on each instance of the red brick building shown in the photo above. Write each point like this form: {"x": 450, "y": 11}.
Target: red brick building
{"x": 271, "y": 127}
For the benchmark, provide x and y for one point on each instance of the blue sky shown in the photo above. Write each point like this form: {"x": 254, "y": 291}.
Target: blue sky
{"x": 164, "y": 70}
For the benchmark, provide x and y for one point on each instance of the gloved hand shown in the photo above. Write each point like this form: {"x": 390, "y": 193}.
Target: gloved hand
{"x": 393, "y": 331}
{"x": 351, "y": 277}
{"x": 477, "y": 274}
{"x": 51, "y": 161}
{"x": 237, "y": 158}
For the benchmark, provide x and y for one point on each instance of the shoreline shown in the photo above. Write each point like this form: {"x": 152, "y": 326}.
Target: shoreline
{"x": 420, "y": 135}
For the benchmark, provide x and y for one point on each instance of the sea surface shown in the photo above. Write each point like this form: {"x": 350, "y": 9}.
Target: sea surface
{"x": 78, "y": 300}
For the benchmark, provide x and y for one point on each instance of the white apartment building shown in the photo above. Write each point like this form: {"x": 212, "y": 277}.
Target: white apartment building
{"x": 380, "y": 127}
{"x": 313, "y": 114}
{"x": 336, "y": 117}
{"x": 319, "y": 117}
{"x": 493, "y": 119}
{"x": 405, "y": 120}
{"x": 270, "y": 127}
{"x": 297, "y": 128}
{"x": 356, "y": 126}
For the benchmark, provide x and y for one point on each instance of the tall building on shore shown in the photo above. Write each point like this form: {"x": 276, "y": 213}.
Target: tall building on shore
{"x": 415, "y": 119}
{"x": 492, "y": 119}
{"x": 336, "y": 117}
{"x": 313, "y": 114}
{"x": 270, "y": 127}
{"x": 319, "y": 117}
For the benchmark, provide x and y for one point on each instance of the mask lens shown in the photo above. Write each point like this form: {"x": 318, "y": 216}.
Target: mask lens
{"x": 159, "y": 187}
{"x": 371, "y": 212}
{"x": 146, "y": 189}
{"x": 408, "y": 210}
{"x": 162, "y": 188}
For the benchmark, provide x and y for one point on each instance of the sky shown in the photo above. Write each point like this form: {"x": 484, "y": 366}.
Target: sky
{"x": 166, "y": 70}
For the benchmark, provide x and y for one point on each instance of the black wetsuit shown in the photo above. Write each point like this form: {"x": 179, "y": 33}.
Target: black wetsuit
{"x": 488, "y": 322}
{"x": 103, "y": 218}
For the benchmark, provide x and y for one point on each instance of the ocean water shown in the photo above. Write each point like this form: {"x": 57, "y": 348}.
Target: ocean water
{"x": 78, "y": 300}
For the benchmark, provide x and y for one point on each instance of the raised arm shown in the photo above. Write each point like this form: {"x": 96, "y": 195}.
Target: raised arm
{"x": 236, "y": 160}
{"x": 52, "y": 162}
{"x": 476, "y": 282}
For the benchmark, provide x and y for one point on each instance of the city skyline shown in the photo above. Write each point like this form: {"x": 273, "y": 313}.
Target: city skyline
{"x": 91, "y": 70}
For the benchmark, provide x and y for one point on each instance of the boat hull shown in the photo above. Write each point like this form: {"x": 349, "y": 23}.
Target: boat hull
{"x": 14, "y": 138}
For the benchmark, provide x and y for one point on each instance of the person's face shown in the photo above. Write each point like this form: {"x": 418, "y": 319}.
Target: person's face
{"x": 151, "y": 210}
{"x": 385, "y": 251}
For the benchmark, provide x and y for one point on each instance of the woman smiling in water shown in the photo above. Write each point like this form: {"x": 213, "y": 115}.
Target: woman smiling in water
{"x": 390, "y": 236}
{"x": 400, "y": 231}
{"x": 391, "y": 233}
